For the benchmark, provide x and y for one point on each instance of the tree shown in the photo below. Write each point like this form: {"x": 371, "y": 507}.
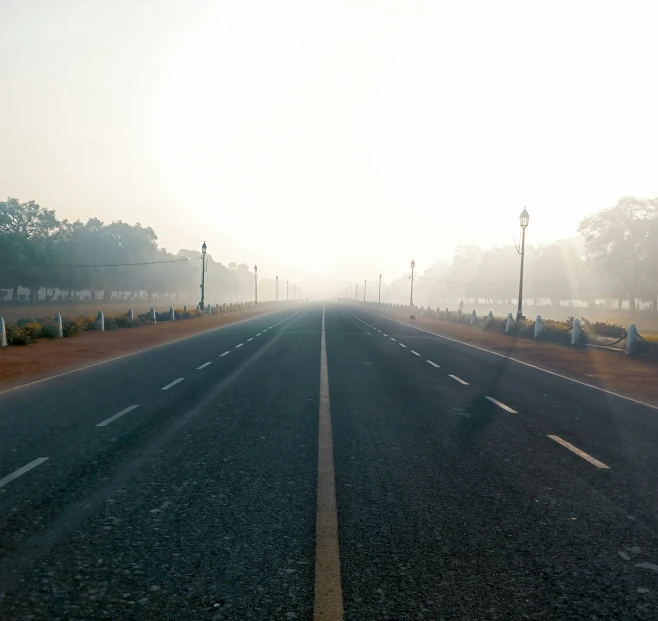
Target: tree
{"x": 621, "y": 244}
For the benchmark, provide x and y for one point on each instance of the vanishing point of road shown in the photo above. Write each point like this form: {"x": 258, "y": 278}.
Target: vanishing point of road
{"x": 325, "y": 462}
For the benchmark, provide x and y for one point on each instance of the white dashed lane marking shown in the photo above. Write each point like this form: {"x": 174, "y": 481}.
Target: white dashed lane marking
{"x": 226, "y": 353}
{"x": 251, "y": 339}
{"x": 107, "y": 421}
{"x": 401, "y": 344}
{"x": 501, "y": 405}
{"x": 203, "y": 366}
{"x": 433, "y": 364}
{"x": 26, "y": 468}
{"x": 580, "y": 453}
{"x": 415, "y": 353}
{"x": 460, "y": 380}
{"x": 176, "y": 381}
{"x": 240, "y": 345}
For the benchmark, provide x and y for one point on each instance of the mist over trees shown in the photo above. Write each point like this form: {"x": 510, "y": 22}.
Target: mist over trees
{"x": 614, "y": 260}
{"x": 40, "y": 252}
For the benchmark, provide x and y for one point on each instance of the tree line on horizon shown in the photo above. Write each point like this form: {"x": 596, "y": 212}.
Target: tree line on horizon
{"x": 614, "y": 258}
{"x": 38, "y": 251}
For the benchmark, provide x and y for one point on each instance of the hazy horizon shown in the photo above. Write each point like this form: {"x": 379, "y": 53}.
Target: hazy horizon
{"x": 334, "y": 141}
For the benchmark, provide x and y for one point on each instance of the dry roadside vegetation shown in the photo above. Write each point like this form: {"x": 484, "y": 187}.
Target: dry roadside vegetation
{"x": 45, "y": 357}
{"x": 634, "y": 376}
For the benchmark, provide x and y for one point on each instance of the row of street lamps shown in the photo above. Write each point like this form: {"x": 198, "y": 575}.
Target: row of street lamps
{"x": 524, "y": 219}
{"x": 204, "y": 268}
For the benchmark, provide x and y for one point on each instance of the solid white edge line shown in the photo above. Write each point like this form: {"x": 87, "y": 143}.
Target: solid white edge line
{"x": 176, "y": 381}
{"x": 203, "y": 366}
{"x": 107, "y": 421}
{"x": 460, "y": 380}
{"x": 433, "y": 364}
{"x": 132, "y": 353}
{"x": 525, "y": 364}
{"x": 26, "y": 468}
{"x": 415, "y": 353}
{"x": 577, "y": 451}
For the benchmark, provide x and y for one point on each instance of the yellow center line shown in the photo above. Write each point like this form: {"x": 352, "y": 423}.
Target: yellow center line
{"x": 328, "y": 589}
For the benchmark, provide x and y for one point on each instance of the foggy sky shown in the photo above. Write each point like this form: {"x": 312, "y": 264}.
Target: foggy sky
{"x": 329, "y": 141}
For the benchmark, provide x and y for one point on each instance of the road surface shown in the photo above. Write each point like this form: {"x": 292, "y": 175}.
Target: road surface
{"x": 325, "y": 462}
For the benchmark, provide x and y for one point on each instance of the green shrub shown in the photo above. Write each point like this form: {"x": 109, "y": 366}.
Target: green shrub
{"x": 32, "y": 329}
{"x": 123, "y": 321}
{"x": 16, "y": 335}
{"x": 603, "y": 328}
{"x": 49, "y": 331}
{"x": 71, "y": 327}
{"x": 110, "y": 324}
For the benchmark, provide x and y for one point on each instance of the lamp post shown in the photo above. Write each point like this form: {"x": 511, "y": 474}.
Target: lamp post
{"x": 256, "y": 283}
{"x": 286, "y": 290}
{"x": 203, "y": 275}
{"x": 411, "y": 297}
{"x": 294, "y": 292}
{"x": 525, "y": 219}
{"x": 350, "y": 293}
{"x": 356, "y": 292}
{"x": 365, "y": 284}
{"x": 276, "y": 299}
{"x": 380, "y": 289}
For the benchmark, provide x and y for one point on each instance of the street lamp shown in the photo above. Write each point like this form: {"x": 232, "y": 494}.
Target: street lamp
{"x": 277, "y": 290}
{"x": 365, "y": 283}
{"x": 380, "y": 289}
{"x": 203, "y": 275}
{"x": 256, "y": 283}
{"x": 286, "y": 290}
{"x": 356, "y": 292}
{"x": 524, "y": 219}
{"x": 411, "y": 297}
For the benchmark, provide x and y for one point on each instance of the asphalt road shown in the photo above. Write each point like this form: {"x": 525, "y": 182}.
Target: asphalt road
{"x": 185, "y": 482}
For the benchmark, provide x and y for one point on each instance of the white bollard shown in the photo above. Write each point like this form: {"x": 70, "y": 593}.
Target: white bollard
{"x": 100, "y": 321}
{"x": 509, "y": 326}
{"x": 575, "y": 332}
{"x": 172, "y": 314}
{"x": 459, "y": 315}
{"x": 447, "y": 315}
{"x": 185, "y": 308}
{"x": 474, "y": 318}
{"x": 58, "y": 326}
{"x": 131, "y": 315}
{"x": 3, "y": 333}
{"x": 632, "y": 339}
{"x": 209, "y": 309}
{"x": 539, "y": 326}
{"x": 490, "y": 318}
{"x": 152, "y": 315}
